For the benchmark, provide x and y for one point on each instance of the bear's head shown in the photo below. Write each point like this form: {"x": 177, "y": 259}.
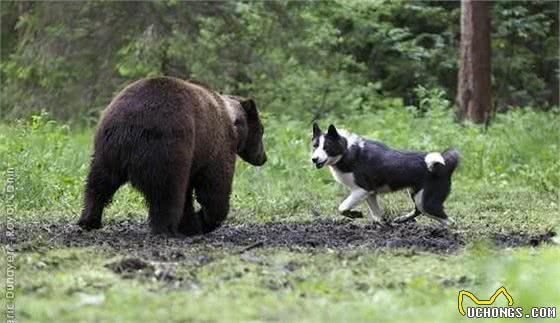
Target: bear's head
{"x": 249, "y": 129}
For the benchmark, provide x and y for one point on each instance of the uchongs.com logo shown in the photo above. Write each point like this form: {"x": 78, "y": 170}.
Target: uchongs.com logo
{"x": 500, "y": 312}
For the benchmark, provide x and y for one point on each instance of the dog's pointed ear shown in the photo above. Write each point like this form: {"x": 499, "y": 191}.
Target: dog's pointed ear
{"x": 316, "y": 130}
{"x": 332, "y": 132}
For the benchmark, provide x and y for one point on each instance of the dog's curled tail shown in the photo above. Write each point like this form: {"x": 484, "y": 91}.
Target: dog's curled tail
{"x": 443, "y": 163}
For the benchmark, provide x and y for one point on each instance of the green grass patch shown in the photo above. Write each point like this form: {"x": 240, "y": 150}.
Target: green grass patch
{"x": 74, "y": 285}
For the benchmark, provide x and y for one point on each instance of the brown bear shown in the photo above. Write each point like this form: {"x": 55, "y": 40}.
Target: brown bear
{"x": 169, "y": 137}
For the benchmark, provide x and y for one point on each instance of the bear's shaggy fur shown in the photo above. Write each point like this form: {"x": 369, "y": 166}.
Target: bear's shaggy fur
{"x": 169, "y": 137}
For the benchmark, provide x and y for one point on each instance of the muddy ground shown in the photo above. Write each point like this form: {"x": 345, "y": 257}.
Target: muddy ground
{"x": 132, "y": 237}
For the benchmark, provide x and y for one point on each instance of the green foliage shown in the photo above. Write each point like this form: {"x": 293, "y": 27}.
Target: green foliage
{"x": 305, "y": 59}
{"x": 523, "y": 39}
{"x": 403, "y": 44}
{"x": 48, "y": 160}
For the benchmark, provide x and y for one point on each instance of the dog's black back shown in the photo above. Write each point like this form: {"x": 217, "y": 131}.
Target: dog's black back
{"x": 375, "y": 165}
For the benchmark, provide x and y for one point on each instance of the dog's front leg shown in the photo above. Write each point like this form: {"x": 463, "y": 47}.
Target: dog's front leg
{"x": 351, "y": 201}
{"x": 375, "y": 212}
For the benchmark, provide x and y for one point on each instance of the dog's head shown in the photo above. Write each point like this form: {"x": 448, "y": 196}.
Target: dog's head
{"x": 327, "y": 148}
{"x": 249, "y": 128}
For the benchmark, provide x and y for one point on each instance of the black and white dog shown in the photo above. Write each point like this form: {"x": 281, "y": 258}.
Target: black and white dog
{"x": 369, "y": 167}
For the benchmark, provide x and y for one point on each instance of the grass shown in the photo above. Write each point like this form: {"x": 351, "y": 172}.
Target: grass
{"x": 507, "y": 184}
{"x": 328, "y": 285}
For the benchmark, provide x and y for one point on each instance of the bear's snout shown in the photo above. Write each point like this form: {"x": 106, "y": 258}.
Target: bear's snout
{"x": 262, "y": 159}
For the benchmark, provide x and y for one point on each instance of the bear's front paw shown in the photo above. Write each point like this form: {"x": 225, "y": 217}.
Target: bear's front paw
{"x": 352, "y": 214}
{"x": 193, "y": 225}
{"x": 88, "y": 224}
{"x": 190, "y": 232}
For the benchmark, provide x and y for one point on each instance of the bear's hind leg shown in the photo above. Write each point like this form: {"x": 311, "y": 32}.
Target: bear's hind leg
{"x": 190, "y": 222}
{"x": 102, "y": 182}
{"x": 166, "y": 205}
{"x": 213, "y": 195}
{"x": 162, "y": 175}
{"x": 165, "y": 195}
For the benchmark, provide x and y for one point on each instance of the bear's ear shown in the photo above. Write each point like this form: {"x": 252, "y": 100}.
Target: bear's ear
{"x": 250, "y": 108}
{"x": 332, "y": 132}
{"x": 316, "y": 130}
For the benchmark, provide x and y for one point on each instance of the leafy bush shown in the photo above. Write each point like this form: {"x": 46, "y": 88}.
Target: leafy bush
{"x": 298, "y": 58}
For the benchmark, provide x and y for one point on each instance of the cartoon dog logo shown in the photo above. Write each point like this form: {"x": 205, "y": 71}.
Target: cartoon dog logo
{"x": 501, "y": 290}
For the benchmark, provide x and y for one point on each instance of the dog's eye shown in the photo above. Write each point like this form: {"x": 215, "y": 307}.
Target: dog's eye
{"x": 315, "y": 145}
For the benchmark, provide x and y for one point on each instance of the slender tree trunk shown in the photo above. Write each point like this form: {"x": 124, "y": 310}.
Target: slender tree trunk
{"x": 474, "y": 88}
{"x": 23, "y": 8}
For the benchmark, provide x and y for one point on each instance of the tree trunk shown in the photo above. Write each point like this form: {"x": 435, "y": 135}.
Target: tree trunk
{"x": 23, "y": 8}
{"x": 474, "y": 88}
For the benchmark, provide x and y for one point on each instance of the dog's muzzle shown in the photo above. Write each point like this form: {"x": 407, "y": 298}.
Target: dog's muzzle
{"x": 318, "y": 163}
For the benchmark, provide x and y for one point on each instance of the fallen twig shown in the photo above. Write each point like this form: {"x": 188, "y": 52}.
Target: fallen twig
{"x": 252, "y": 246}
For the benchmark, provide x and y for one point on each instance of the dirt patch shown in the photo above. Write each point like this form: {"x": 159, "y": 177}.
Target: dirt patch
{"x": 134, "y": 239}
{"x": 130, "y": 265}
{"x": 523, "y": 239}
{"x": 138, "y": 268}
{"x": 135, "y": 236}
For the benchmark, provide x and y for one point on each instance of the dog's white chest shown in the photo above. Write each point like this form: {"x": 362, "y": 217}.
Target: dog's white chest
{"x": 343, "y": 178}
